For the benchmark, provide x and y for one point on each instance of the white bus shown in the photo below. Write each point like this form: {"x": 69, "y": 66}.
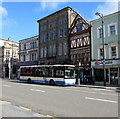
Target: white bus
{"x": 48, "y": 74}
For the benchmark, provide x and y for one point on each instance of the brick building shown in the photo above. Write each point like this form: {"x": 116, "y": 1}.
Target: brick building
{"x": 54, "y": 38}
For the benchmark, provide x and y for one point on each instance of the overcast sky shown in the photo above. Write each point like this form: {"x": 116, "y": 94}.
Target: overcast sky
{"x": 19, "y": 19}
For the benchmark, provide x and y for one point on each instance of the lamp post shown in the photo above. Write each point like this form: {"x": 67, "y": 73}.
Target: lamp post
{"x": 11, "y": 63}
{"x": 103, "y": 43}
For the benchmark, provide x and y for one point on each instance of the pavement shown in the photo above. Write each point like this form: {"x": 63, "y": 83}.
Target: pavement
{"x": 10, "y": 110}
{"x": 117, "y": 88}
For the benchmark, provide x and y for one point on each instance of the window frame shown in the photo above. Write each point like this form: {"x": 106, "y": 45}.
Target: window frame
{"x": 113, "y": 52}
{"x": 112, "y": 24}
{"x": 98, "y": 32}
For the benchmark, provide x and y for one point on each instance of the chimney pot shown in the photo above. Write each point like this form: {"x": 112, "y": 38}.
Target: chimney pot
{"x": 9, "y": 39}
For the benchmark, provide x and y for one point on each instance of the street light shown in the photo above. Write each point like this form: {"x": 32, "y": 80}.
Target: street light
{"x": 101, "y": 16}
{"x": 11, "y": 63}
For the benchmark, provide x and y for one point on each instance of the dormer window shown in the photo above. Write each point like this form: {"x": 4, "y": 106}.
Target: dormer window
{"x": 79, "y": 27}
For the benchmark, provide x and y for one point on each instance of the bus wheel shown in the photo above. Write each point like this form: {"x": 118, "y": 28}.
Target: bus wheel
{"x": 29, "y": 80}
{"x": 52, "y": 82}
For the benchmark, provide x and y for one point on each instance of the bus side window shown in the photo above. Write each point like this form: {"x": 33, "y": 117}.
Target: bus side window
{"x": 41, "y": 72}
{"x": 58, "y": 72}
{"x": 33, "y": 71}
{"x": 50, "y": 72}
{"x": 21, "y": 73}
{"x": 37, "y": 71}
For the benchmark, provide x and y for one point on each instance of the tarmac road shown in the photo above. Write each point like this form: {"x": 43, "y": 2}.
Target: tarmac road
{"x": 59, "y": 101}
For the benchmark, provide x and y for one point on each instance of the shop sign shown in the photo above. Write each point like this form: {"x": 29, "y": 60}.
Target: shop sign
{"x": 116, "y": 62}
{"x": 98, "y": 63}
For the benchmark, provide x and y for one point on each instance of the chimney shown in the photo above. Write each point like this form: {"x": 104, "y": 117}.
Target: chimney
{"x": 9, "y": 39}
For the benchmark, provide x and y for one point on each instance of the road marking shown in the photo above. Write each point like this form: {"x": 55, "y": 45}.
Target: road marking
{"x": 95, "y": 92}
{"x": 38, "y": 90}
{"x": 4, "y": 102}
{"x": 103, "y": 90}
{"x": 6, "y": 85}
{"x": 49, "y": 116}
{"x": 24, "y": 84}
{"x": 88, "y": 98}
{"x": 25, "y": 108}
{"x": 109, "y": 94}
{"x": 99, "y": 89}
{"x": 69, "y": 89}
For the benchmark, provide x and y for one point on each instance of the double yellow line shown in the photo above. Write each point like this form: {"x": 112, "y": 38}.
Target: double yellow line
{"x": 25, "y": 108}
{"x": 5, "y": 102}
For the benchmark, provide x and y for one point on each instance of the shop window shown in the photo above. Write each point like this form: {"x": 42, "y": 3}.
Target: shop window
{"x": 114, "y": 76}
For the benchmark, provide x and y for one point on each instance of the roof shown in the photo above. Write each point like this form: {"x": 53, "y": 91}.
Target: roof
{"x": 63, "y": 10}
{"x": 29, "y": 38}
{"x": 55, "y": 13}
{"x": 106, "y": 16}
{"x": 68, "y": 65}
{"x": 9, "y": 41}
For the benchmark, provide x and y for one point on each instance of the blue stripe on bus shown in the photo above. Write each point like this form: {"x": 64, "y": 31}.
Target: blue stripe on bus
{"x": 47, "y": 82}
{"x": 23, "y": 80}
{"x": 60, "y": 82}
{"x": 70, "y": 83}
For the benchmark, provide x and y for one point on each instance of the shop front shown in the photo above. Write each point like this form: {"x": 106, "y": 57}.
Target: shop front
{"x": 114, "y": 76}
{"x": 112, "y": 72}
{"x": 99, "y": 75}
{"x": 83, "y": 75}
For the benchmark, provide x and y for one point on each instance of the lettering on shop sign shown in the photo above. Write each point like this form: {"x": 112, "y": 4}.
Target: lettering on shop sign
{"x": 101, "y": 63}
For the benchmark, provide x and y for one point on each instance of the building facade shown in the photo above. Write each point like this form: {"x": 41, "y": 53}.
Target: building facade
{"x": 54, "y": 38}
{"x": 111, "y": 30}
{"x": 8, "y": 57}
{"x": 80, "y": 48}
{"x": 28, "y": 51}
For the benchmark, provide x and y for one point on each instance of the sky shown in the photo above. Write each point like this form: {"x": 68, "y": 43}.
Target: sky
{"x": 19, "y": 19}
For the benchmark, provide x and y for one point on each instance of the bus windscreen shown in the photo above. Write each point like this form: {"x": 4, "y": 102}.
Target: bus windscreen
{"x": 69, "y": 72}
